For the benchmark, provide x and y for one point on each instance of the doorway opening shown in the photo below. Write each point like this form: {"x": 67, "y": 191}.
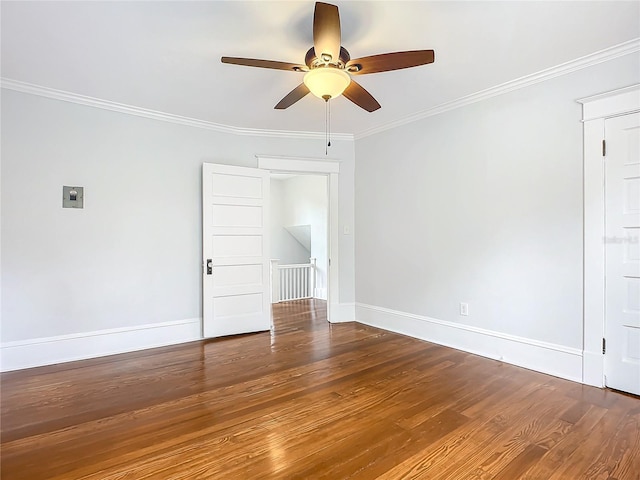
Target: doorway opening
{"x": 299, "y": 231}
{"x": 330, "y": 169}
{"x": 236, "y": 286}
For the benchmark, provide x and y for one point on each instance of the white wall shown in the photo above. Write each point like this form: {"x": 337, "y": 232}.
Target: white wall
{"x": 284, "y": 246}
{"x": 482, "y": 204}
{"x": 132, "y": 256}
{"x": 307, "y": 204}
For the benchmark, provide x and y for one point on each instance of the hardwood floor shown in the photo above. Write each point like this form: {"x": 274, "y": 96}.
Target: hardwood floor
{"x": 311, "y": 400}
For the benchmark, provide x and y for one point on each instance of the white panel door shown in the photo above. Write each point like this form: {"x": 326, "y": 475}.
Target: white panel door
{"x": 236, "y": 290}
{"x": 622, "y": 253}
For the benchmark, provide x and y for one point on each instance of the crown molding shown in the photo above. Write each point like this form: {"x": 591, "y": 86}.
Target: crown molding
{"x": 32, "y": 89}
{"x": 601, "y": 56}
{"x": 626, "y": 48}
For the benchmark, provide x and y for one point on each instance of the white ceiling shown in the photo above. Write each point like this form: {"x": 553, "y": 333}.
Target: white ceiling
{"x": 165, "y": 56}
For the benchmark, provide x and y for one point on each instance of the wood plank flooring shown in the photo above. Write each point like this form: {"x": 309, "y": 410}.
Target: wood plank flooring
{"x": 311, "y": 400}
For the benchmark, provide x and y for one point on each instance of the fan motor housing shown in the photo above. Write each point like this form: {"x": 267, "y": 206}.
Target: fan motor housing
{"x": 312, "y": 61}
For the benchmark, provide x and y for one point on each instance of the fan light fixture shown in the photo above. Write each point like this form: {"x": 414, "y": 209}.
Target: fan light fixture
{"x": 327, "y": 82}
{"x": 329, "y": 66}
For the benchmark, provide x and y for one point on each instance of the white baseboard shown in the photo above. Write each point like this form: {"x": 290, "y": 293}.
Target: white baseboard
{"x": 66, "y": 348}
{"x": 342, "y": 312}
{"x": 557, "y": 360}
{"x": 320, "y": 293}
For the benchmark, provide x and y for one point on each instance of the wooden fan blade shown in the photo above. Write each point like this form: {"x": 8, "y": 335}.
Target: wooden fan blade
{"x": 358, "y": 95}
{"x": 252, "y": 62}
{"x": 292, "y": 97}
{"x": 390, "y": 61}
{"x": 326, "y": 30}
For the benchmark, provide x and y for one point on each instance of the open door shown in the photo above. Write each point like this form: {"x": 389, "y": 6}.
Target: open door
{"x": 236, "y": 290}
{"x": 622, "y": 253}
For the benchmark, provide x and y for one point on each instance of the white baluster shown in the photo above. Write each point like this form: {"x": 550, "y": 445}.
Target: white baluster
{"x": 312, "y": 275}
{"x": 275, "y": 281}
{"x": 287, "y": 283}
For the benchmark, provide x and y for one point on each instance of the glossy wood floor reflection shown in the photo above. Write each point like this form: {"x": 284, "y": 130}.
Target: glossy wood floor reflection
{"x": 311, "y": 400}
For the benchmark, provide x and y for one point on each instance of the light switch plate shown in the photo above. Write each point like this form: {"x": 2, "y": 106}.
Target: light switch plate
{"x": 72, "y": 197}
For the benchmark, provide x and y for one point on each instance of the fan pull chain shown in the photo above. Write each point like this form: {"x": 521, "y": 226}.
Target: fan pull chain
{"x": 329, "y": 134}
{"x": 327, "y": 124}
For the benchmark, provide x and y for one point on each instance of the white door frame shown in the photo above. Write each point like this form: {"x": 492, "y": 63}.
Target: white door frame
{"x": 595, "y": 110}
{"x": 331, "y": 169}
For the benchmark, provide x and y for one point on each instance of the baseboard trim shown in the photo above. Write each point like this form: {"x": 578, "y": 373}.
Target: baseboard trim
{"x": 79, "y": 346}
{"x": 342, "y": 312}
{"x": 553, "y": 359}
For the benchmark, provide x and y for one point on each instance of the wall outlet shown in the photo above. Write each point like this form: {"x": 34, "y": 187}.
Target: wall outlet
{"x": 464, "y": 309}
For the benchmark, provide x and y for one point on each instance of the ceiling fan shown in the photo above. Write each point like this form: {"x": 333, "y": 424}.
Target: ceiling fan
{"x": 328, "y": 66}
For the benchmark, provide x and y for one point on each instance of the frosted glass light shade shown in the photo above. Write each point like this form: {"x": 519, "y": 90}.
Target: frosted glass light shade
{"x": 327, "y": 81}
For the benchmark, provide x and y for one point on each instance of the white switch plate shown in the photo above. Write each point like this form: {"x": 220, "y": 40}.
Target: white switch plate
{"x": 464, "y": 309}
{"x": 346, "y": 230}
{"x": 72, "y": 197}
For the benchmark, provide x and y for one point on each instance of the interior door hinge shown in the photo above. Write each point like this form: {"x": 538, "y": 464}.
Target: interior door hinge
{"x": 604, "y": 148}
{"x": 604, "y": 346}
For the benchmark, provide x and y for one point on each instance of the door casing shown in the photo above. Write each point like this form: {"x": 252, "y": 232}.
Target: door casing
{"x": 595, "y": 110}
{"x": 330, "y": 168}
